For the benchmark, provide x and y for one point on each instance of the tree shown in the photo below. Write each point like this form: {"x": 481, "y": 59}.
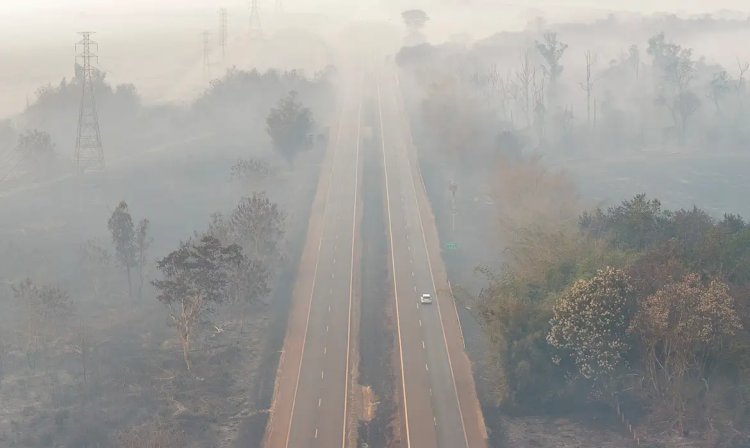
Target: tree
{"x": 123, "y": 235}
{"x": 36, "y": 149}
{"x": 634, "y": 224}
{"x": 43, "y": 308}
{"x": 551, "y": 51}
{"x": 634, "y": 59}
{"x": 676, "y": 69}
{"x": 718, "y": 88}
{"x": 588, "y": 86}
{"x": 142, "y": 243}
{"x": 590, "y": 325}
{"x": 257, "y": 225}
{"x": 415, "y": 19}
{"x": 95, "y": 263}
{"x": 524, "y": 78}
{"x": 195, "y": 278}
{"x": 289, "y": 124}
{"x": 682, "y": 328}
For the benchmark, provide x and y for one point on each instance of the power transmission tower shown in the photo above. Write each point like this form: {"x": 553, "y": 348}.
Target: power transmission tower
{"x": 256, "y": 31}
{"x": 89, "y": 154}
{"x": 206, "y": 56}
{"x": 223, "y": 33}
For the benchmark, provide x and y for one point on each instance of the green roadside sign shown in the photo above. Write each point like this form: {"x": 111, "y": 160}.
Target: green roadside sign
{"x": 451, "y": 246}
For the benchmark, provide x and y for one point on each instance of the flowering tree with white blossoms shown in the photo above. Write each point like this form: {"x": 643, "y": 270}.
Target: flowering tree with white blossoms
{"x": 590, "y": 324}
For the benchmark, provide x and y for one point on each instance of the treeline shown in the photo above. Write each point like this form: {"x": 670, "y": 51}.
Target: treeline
{"x": 569, "y": 89}
{"x": 232, "y": 109}
{"x": 636, "y": 307}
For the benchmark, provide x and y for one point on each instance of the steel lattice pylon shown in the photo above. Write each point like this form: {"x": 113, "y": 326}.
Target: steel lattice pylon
{"x": 89, "y": 154}
{"x": 256, "y": 30}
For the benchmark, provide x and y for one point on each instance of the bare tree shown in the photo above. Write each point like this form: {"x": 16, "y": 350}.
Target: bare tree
{"x": 634, "y": 57}
{"x": 95, "y": 261}
{"x": 540, "y": 109}
{"x": 524, "y": 78}
{"x": 588, "y": 85}
{"x": 742, "y": 68}
{"x": 142, "y": 243}
{"x": 717, "y": 88}
{"x": 677, "y": 70}
{"x": 44, "y": 308}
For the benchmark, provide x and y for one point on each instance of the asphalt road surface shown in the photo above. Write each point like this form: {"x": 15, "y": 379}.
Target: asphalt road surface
{"x": 312, "y": 401}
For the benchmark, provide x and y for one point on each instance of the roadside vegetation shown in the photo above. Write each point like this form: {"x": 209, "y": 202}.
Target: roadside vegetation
{"x": 635, "y": 310}
{"x": 635, "y": 307}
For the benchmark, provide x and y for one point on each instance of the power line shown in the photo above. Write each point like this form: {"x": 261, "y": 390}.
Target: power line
{"x": 89, "y": 154}
{"x": 206, "y": 56}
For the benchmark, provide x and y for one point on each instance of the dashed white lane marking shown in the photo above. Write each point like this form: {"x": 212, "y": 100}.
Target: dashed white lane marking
{"x": 331, "y": 274}
{"x": 409, "y": 247}
{"x": 412, "y": 273}
{"x": 426, "y": 368}
{"x": 334, "y": 260}
{"x": 415, "y": 289}
{"x": 316, "y": 433}
{"x": 320, "y": 400}
{"x": 411, "y": 261}
{"x": 434, "y": 420}
{"x": 329, "y": 306}
{"x": 430, "y": 391}
{"x": 325, "y": 350}
{"x": 321, "y": 374}
{"x": 420, "y": 322}
{"x": 326, "y": 328}
{"x": 422, "y": 344}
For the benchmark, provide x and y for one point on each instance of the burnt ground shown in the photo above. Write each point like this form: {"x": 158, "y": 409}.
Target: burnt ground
{"x": 134, "y": 371}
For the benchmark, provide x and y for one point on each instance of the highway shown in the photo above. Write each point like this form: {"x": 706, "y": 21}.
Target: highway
{"x": 313, "y": 406}
{"x": 312, "y": 396}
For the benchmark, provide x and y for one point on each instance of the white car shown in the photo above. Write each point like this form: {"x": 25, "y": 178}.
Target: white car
{"x": 425, "y": 299}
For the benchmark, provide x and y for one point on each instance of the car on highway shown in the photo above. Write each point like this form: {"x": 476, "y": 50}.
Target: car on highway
{"x": 425, "y": 299}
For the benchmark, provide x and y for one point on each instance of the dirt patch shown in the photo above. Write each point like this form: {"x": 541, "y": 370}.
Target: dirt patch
{"x": 542, "y": 432}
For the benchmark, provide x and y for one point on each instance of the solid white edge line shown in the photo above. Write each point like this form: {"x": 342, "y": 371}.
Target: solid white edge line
{"x": 315, "y": 274}
{"x": 432, "y": 277}
{"x": 393, "y": 263}
{"x": 351, "y": 274}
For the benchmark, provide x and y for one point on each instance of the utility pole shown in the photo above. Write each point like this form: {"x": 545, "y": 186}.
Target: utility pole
{"x": 206, "y": 57}
{"x": 256, "y": 31}
{"x": 89, "y": 154}
{"x": 223, "y": 33}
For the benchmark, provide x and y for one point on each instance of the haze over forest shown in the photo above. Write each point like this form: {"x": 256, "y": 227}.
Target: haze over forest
{"x": 240, "y": 264}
